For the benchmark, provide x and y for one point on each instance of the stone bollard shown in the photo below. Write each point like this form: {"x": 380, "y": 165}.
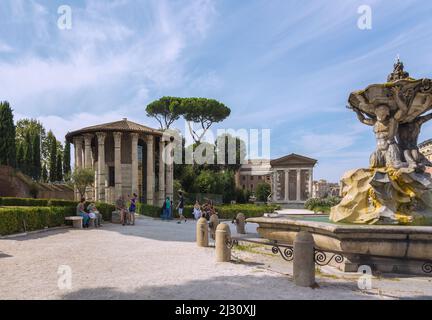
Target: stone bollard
{"x": 240, "y": 222}
{"x": 223, "y": 234}
{"x": 304, "y": 260}
{"x": 202, "y": 233}
{"x": 214, "y": 222}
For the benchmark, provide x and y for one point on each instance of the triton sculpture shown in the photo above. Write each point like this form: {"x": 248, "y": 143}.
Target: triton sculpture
{"x": 395, "y": 189}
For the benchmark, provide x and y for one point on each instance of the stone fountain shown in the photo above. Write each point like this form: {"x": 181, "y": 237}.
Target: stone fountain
{"x": 384, "y": 219}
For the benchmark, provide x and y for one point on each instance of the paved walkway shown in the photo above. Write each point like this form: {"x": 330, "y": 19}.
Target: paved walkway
{"x": 155, "y": 260}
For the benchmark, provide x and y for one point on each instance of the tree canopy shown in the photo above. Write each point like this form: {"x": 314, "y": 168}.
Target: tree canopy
{"x": 203, "y": 111}
{"x": 7, "y": 136}
{"x": 166, "y": 110}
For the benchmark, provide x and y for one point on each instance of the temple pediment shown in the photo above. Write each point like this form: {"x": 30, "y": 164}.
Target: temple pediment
{"x": 293, "y": 160}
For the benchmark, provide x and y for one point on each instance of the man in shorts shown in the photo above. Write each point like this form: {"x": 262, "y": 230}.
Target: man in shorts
{"x": 180, "y": 208}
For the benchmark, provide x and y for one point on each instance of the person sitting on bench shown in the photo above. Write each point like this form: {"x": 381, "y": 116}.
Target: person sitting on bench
{"x": 80, "y": 211}
{"x": 95, "y": 214}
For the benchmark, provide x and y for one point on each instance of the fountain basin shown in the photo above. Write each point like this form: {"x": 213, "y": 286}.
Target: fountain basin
{"x": 396, "y": 249}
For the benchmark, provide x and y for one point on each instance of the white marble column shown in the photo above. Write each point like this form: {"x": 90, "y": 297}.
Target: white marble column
{"x": 286, "y": 185}
{"x": 78, "y": 141}
{"x": 170, "y": 171}
{"x": 117, "y": 164}
{"x": 161, "y": 172}
{"x": 134, "y": 139}
{"x": 101, "y": 166}
{"x": 310, "y": 182}
{"x": 298, "y": 189}
{"x": 150, "y": 170}
{"x": 275, "y": 185}
{"x": 88, "y": 151}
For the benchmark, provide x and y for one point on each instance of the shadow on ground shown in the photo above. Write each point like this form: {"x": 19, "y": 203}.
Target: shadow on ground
{"x": 253, "y": 287}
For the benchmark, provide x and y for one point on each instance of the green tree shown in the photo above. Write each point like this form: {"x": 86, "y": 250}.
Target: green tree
{"x": 34, "y": 127}
{"x": 203, "y": 111}
{"x": 263, "y": 190}
{"x": 28, "y": 155}
{"x": 53, "y": 150}
{"x": 59, "y": 167}
{"x": 36, "y": 157}
{"x": 44, "y": 174}
{"x": 66, "y": 160}
{"x": 7, "y": 136}
{"x": 206, "y": 182}
{"x": 82, "y": 178}
{"x": 20, "y": 156}
{"x": 232, "y": 159}
{"x": 166, "y": 110}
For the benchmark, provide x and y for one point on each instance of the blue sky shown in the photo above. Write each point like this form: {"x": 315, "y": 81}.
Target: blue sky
{"x": 285, "y": 65}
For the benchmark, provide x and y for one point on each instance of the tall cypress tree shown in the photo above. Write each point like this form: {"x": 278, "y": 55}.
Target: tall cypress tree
{"x": 7, "y": 136}
{"x": 52, "y": 157}
{"x": 59, "y": 170}
{"x": 66, "y": 160}
{"x": 36, "y": 157}
{"x": 28, "y": 158}
{"x": 44, "y": 173}
{"x": 20, "y": 156}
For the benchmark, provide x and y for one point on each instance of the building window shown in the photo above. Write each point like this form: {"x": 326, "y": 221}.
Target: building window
{"x": 252, "y": 187}
{"x": 244, "y": 187}
{"x": 243, "y": 178}
{"x": 252, "y": 177}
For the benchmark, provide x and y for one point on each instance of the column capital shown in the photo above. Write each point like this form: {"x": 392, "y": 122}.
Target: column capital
{"x": 88, "y": 137}
{"x": 134, "y": 135}
{"x": 77, "y": 140}
{"x": 150, "y": 139}
{"x": 101, "y": 137}
{"x": 117, "y": 136}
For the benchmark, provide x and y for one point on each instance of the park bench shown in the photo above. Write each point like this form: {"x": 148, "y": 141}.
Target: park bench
{"x": 76, "y": 220}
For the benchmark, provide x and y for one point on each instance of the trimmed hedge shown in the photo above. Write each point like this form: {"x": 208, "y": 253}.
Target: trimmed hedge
{"x": 23, "y": 202}
{"x": 228, "y": 211}
{"x": 21, "y": 219}
{"x": 26, "y": 214}
{"x": 149, "y": 210}
{"x": 30, "y": 202}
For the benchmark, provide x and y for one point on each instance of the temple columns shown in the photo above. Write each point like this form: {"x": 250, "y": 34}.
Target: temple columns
{"x": 310, "y": 182}
{"x": 150, "y": 170}
{"x": 298, "y": 189}
{"x": 78, "y": 142}
{"x": 275, "y": 186}
{"x": 88, "y": 151}
{"x": 170, "y": 171}
{"x": 134, "y": 151}
{"x": 161, "y": 172}
{"x": 286, "y": 185}
{"x": 117, "y": 164}
{"x": 101, "y": 166}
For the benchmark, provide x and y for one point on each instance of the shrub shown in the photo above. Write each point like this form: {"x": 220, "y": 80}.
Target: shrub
{"x": 230, "y": 211}
{"x": 149, "y": 210}
{"x": 263, "y": 190}
{"x": 324, "y": 204}
{"x": 23, "y": 202}
{"x": 20, "y": 219}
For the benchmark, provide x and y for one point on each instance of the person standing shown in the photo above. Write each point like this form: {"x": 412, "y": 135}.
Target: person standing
{"x": 180, "y": 208}
{"x": 121, "y": 207}
{"x": 132, "y": 208}
{"x": 166, "y": 209}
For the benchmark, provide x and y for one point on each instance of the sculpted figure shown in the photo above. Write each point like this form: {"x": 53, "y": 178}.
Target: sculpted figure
{"x": 385, "y": 129}
{"x": 408, "y": 141}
